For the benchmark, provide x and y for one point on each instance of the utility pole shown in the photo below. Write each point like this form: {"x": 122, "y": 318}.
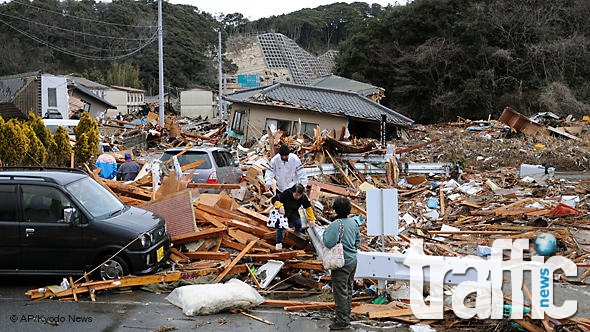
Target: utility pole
{"x": 220, "y": 101}
{"x": 161, "y": 63}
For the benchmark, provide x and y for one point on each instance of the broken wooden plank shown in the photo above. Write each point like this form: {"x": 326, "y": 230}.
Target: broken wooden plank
{"x": 235, "y": 261}
{"x": 205, "y": 255}
{"x": 195, "y": 236}
{"x": 220, "y": 186}
{"x": 343, "y": 191}
{"x": 127, "y": 281}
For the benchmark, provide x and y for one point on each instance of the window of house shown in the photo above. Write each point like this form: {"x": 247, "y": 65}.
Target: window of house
{"x": 275, "y": 124}
{"x": 52, "y": 97}
{"x": 86, "y": 106}
{"x": 306, "y": 128}
{"x": 237, "y": 124}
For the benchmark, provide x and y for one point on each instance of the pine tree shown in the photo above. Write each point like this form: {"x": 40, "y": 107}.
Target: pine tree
{"x": 87, "y": 138}
{"x": 16, "y": 143}
{"x": 61, "y": 151}
{"x": 36, "y": 153}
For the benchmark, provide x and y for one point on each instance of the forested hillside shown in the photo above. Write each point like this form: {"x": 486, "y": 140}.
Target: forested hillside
{"x": 437, "y": 59}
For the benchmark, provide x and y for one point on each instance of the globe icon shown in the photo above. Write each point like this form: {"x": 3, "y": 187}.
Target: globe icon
{"x": 545, "y": 244}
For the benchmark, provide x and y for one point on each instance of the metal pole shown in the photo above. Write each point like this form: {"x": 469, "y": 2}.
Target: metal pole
{"x": 161, "y": 63}
{"x": 383, "y": 130}
{"x": 220, "y": 102}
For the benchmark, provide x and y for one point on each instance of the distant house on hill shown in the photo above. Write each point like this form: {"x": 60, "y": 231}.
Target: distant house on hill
{"x": 300, "y": 109}
{"x": 44, "y": 94}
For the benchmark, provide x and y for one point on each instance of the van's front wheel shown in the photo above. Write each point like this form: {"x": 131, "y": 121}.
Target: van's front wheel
{"x": 112, "y": 268}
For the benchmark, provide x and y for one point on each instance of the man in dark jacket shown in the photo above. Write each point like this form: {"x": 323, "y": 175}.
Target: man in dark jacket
{"x": 128, "y": 170}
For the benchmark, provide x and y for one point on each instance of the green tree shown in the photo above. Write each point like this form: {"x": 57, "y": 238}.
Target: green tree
{"x": 87, "y": 138}
{"x": 124, "y": 74}
{"x": 36, "y": 153}
{"x": 41, "y": 131}
{"x": 61, "y": 151}
{"x": 82, "y": 149}
{"x": 15, "y": 143}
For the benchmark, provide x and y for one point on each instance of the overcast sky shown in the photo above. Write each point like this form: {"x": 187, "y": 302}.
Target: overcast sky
{"x": 255, "y": 9}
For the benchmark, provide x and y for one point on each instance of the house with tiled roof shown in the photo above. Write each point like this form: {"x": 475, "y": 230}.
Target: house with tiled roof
{"x": 342, "y": 83}
{"x": 299, "y": 109}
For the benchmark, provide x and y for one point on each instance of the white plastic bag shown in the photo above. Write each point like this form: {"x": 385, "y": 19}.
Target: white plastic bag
{"x": 208, "y": 299}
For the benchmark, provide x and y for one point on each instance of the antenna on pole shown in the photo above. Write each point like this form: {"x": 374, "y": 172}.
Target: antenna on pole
{"x": 161, "y": 63}
{"x": 220, "y": 102}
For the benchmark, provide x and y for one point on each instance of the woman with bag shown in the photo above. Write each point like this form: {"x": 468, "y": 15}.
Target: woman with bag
{"x": 346, "y": 231}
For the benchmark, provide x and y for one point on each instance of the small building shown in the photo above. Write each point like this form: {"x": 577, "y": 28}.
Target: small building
{"x": 44, "y": 94}
{"x": 299, "y": 109}
{"x": 127, "y": 100}
{"x": 195, "y": 102}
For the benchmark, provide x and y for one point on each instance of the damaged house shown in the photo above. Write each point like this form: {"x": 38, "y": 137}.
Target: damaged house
{"x": 299, "y": 109}
{"x": 44, "y": 94}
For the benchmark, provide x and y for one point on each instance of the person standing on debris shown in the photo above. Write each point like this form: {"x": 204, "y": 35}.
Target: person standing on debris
{"x": 343, "y": 278}
{"x": 107, "y": 164}
{"x": 128, "y": 170}
{"x": 287, "y": 169}
{"x": 288, "y": 203}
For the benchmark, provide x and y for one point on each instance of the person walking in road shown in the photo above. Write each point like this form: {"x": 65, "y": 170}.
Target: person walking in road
{"x": 287, "y": 169}
{"x": 107, "y": 164}
{"x": 343, "y": 278}
{"x": 288, "y": 203}
{"x": 128, "y": 170}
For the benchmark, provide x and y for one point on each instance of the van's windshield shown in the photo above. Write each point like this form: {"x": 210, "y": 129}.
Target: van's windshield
{"x": 94, "y": 197}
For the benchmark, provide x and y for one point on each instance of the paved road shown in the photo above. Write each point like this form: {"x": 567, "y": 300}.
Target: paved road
{"x": 134, "y": 310}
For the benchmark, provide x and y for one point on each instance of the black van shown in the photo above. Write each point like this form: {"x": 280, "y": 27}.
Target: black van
{"x": 63, "y": 222}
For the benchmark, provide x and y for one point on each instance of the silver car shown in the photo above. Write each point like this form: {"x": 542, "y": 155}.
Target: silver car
{"x": 219, "y": 166}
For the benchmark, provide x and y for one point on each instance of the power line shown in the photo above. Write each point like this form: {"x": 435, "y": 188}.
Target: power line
{"x": 82, "y": 18}
{"x": 66, "y": 37}
{"x": 80, "y": 55}
{"x": 72, "y": 31}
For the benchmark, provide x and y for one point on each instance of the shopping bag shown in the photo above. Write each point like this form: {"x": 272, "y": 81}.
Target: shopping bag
{"x": 333, "y": 258}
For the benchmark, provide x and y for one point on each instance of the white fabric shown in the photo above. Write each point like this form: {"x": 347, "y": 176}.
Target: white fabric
{"x": 277, "y": 220}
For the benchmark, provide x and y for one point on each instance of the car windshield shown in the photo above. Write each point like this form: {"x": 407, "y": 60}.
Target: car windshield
{"x": 94, "y": 197}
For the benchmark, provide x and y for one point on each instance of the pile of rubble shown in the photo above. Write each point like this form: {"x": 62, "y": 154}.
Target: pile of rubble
{"x": 460, "y": 186}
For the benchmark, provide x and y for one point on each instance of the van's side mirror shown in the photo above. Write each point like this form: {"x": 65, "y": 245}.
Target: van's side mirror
{"x": 71, "y": 216}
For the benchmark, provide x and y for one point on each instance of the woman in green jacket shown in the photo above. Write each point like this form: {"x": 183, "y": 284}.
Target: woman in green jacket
{"x": 343, "y": 278}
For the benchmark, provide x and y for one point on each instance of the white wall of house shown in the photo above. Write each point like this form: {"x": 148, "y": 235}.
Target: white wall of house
{"x": 197, "y": 102}
{"x": 127, "y": 100}
{"x": 54, "y": 95}
{"x": 117, "y": 98}
{"x": 256, "y": 119}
